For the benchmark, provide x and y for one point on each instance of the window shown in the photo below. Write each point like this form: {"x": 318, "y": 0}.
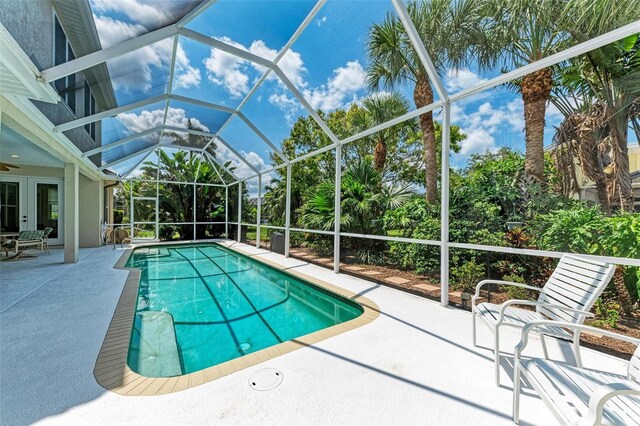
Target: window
{"x": 62, "y": 53}
{"x": 89, "y": 109}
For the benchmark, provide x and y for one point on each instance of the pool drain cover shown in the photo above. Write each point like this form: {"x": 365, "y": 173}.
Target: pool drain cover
{"x": 265, "y": 379}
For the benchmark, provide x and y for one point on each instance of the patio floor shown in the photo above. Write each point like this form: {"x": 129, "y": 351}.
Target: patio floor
{"x": 414, "y": 364}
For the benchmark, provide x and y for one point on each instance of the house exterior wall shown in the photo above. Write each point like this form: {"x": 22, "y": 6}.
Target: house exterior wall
{"x": 31, "y": 24}
{"x": 91, "y": 212}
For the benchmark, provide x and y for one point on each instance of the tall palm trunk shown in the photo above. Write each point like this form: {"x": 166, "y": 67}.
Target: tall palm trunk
{"x": 422, "y": 96}
{"x": 623, "y": 189}
{"x": 380, "y": 154}
{"x": 536, "y": 91}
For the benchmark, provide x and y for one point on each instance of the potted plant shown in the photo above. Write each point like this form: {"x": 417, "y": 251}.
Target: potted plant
{"x": 514, "y": 222}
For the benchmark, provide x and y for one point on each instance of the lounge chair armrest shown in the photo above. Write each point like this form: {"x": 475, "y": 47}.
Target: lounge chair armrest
{"x": 505, "y": 305}
{"x": 603, "y": 394}
{"x": 580, "y": 328}
{"x": 501, "y": 282}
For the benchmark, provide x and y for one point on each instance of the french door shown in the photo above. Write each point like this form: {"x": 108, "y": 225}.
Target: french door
{"x": 32, "y": 203}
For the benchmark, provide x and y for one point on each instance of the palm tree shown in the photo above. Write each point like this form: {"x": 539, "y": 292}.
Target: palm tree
{"x": 363, "y": 201}
{"x": 525, "y": 31}
{"x": 378, "y": 109}
{"x": 607, "y": 84}
{"x": 448, "y": 29}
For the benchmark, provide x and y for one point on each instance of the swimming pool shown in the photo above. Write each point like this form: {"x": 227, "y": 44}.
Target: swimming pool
{"x": 203, "y": 304}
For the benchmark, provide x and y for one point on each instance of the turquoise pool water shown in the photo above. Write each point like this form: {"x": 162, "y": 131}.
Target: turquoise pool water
{"x": 200, "y": 305}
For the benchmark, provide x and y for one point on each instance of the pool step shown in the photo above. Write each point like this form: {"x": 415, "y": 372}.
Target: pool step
{"x": 158, "y": 350}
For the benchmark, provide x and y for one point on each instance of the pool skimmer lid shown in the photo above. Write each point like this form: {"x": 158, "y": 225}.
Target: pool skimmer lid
{"x": 265, "y": 379}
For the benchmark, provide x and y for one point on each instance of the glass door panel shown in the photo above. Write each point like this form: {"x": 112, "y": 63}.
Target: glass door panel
{"x": 48, "y": 210}
{"x": 9, "y": 207}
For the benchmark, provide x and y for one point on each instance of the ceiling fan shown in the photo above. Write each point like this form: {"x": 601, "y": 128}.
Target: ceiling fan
{"x": 5, "y": 167}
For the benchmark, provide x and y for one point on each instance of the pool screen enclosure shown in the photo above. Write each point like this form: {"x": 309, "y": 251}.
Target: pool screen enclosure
{"x": 214, "y": 126}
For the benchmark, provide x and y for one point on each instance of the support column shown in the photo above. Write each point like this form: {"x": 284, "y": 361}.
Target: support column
{"x": 226, "y": 211}
{"x": 258, "y": 211}
{"x": 444, "y": 206}
{"x": 337, "y": 211}
{"x": 239, "y": 236}
{"x": 71, "y": 213}
{"x": 287, "y": 213}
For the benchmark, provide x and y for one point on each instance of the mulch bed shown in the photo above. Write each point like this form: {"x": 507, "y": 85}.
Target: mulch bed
{"x": 429, "y": 287}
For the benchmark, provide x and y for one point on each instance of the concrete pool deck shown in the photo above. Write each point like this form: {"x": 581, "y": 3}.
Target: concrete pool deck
{"x": 414, "y": 364}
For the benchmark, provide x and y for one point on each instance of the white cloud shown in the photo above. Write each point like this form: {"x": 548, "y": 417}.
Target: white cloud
{"x": 288, "y": 105}
{"x": 481, "y": 125}
{"x": 232, "y": 72}
{"x": 189, "y": 77}
{"x": 461, "y": 79}
{"x": 321, "y": 21}
{"x": 228, "y": 71}
{"x": 133, "y": 71}
{"x": 478, "y": 140}
{"x": 340, "y": 89}
{"x": 241, "y": 169}
{"x": 137, "y": 123}
{"x": 142, "y": 12}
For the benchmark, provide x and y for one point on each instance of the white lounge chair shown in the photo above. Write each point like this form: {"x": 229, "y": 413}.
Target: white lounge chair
{"x": 568, "y": 296}
{"x": 580, "y": 396}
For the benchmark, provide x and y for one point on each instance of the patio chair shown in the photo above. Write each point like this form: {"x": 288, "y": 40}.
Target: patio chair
{"x": 24, "y": 239}
{"x": 45, "y": 238}
{"x": 580, "y": 396}
{"x": 569, "y": 294}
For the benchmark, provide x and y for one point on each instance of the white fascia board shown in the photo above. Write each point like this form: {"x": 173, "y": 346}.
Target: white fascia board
{"x": 109, "y": 113}
{"x": 23, "y": 69}
{"x": 121, "y": 141}
{"x": 37, "y": 117}
{"x": 95, "y": 58}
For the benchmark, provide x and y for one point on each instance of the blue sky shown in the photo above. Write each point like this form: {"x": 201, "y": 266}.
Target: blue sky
{"x": 327, "y": 64}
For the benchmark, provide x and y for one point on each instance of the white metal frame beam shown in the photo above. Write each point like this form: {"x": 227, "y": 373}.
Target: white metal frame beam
{"x": 128, "y": 157}
{"x": 122, "y": 141}
{"x": 95, "y": 58}
{"x": 109, "y": 113}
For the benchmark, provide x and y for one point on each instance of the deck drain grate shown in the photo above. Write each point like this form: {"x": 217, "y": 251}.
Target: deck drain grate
{"x": 265, "y": 379}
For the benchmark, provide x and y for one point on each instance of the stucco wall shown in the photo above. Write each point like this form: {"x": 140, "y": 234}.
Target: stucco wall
{"x": 91, "y": 211}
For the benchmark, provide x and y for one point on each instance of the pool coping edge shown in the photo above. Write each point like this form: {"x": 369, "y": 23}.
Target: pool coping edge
{"x": 112, "y": 371}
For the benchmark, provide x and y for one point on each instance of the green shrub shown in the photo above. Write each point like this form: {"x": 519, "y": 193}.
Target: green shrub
{"x": 118, "y": 215}
{"x": 607, "y": 312}
{"x": 515, "y": 292}
{"x": 466, "y": 276}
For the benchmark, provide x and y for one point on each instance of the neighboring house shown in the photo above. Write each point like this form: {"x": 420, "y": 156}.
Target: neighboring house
{"x": 587, "y": 188}
{"x": 52, "y": 172}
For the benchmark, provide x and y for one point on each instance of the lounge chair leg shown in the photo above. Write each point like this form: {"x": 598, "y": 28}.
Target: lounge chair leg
{"x": 544, "y": 347}
{"x": 516, "y": 393}
{"x": 576, "y": 348}
{"x": 497, "y": 355}
{"x": 473, "y": 325}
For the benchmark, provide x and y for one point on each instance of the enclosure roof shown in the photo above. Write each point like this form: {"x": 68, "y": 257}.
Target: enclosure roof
{"x": 169, "y": 104}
